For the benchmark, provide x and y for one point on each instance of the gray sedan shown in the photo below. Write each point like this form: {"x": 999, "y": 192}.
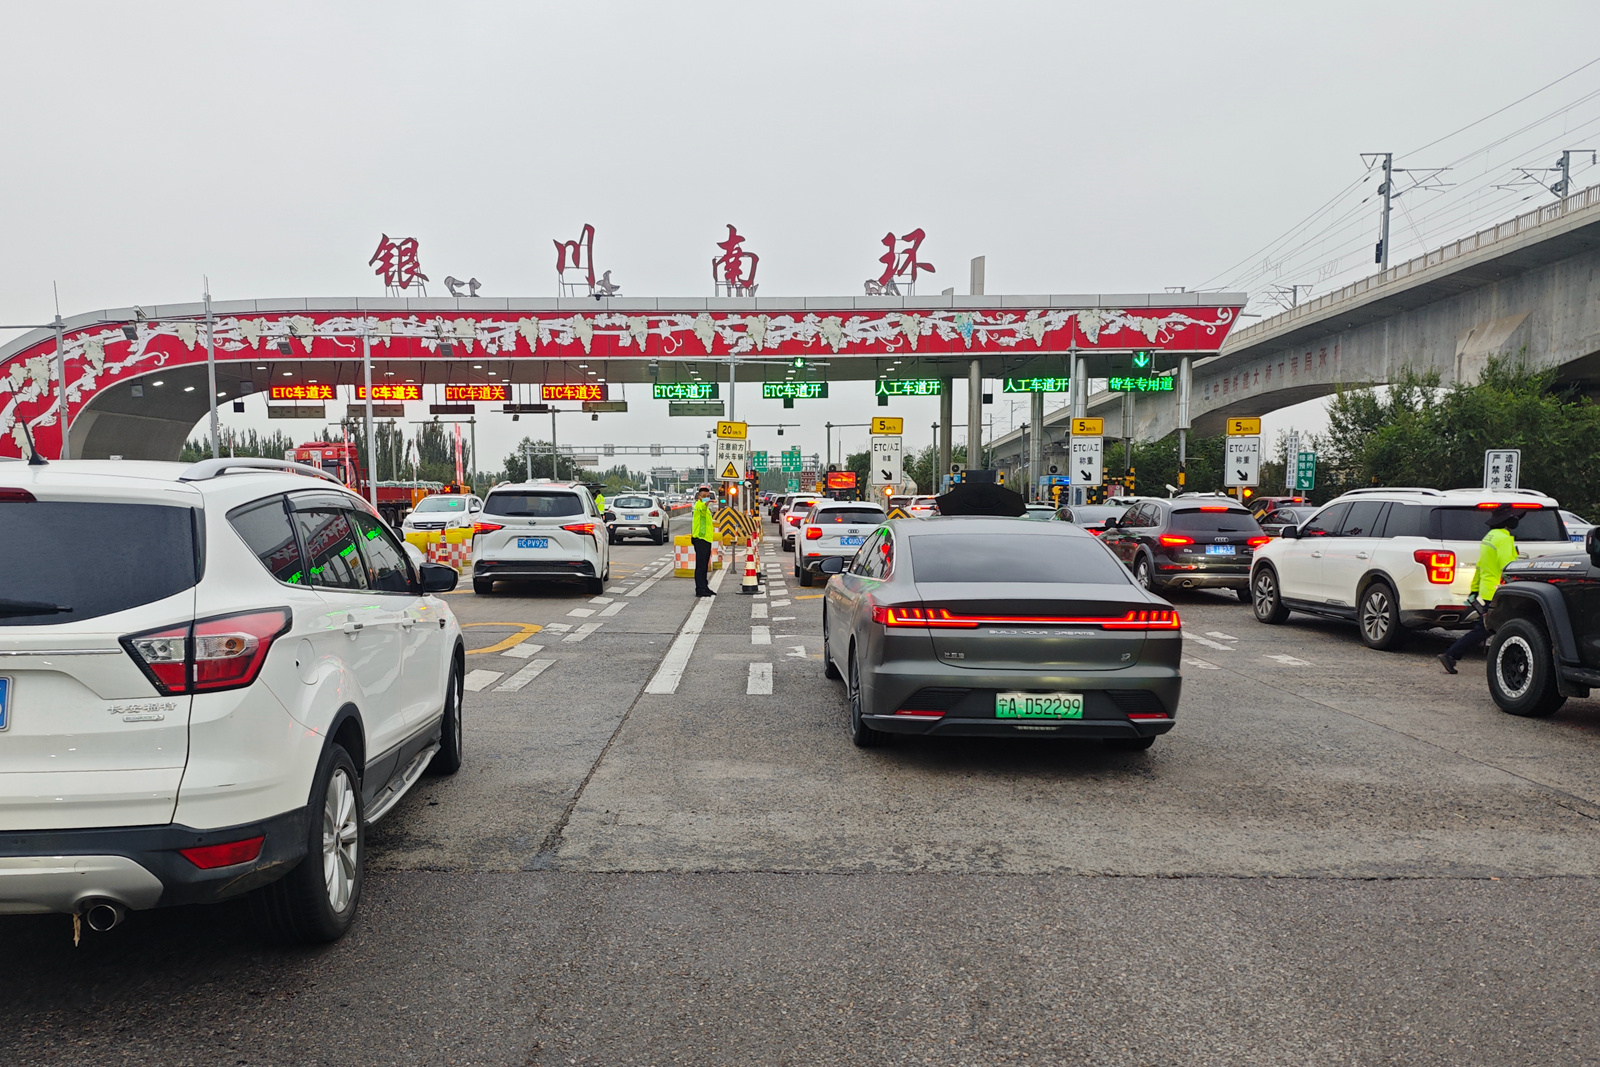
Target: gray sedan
{"x": 992, "y": 627}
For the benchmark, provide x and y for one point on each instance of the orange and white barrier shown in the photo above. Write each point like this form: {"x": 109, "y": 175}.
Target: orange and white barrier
{"x": 683, "y": 556}
{"x": 752, "y": 576}
{"x": 453, "y": 548}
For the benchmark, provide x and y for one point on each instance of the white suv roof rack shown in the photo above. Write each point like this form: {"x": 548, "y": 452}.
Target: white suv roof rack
{"x": 1480, "y": 492}
{"x": 215, "y": 468}
{"x": 1393, "y": 489}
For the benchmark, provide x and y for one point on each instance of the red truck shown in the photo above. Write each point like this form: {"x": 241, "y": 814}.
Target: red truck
{"x": 395, "y": 499}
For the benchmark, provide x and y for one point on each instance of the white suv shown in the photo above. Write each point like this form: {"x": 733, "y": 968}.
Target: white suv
{"x": 1393, "y": 560}
{"x": 213, "y": 678}
{"x": 833, "y": 528}
{"x": 637, "y": 515}
{"x": 538, "y": 531}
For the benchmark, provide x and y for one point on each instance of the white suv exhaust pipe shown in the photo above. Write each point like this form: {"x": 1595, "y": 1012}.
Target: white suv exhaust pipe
{"x": 103, "y": 915}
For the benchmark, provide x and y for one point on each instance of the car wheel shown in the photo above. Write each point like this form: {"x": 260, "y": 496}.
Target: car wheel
{"x": 1129, "y": 744}
{"x": 316, "y": 901}
{"x": 1142, "y": 573}
{"x": 863, "y": 735}
{"x": 828, "y": 669}
{"x": 483, "y": 586}
{"x": 1378, "y": 618}
{"x": 1522, "y": 674}
{"x": 803, "y": 576}
{"x": 1264, "y": 597}
{"x": 448, "y": 759}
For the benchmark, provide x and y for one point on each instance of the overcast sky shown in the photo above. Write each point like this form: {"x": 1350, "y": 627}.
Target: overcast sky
{"x": 1083, "y": 148}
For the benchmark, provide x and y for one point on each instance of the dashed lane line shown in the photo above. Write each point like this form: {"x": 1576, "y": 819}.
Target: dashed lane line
{"x": 599, "y": 600}
{"x": 758, "y": 611}
{"x": 1220, "y": 636}
{"x": 581, "y": 613}
{"x": 1288, "y": 661}
{"x": 558, "y": 627}
{"x": 665, "y": 681}
{"x": 760, "y": 635}
{"x": 606, "y": 613}
{"x": 582, "y": 632}
{"x": 523, "y": 651}
{"x": 1197, "y": 639}
{"x": 476, "y": 681}
{"x": 524, "y": 676}
{"x": 642, "y": 586}
{"x": 759, "y": 683}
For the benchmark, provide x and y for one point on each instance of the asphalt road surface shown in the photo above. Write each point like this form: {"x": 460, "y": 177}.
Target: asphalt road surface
{"x": 658, "y": 854}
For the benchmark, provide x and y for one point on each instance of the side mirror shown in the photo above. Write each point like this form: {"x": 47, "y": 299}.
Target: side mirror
{"x": 1291, "y": 532}
{"x": 832, "y": 565}
{"x": 437, "y": 578}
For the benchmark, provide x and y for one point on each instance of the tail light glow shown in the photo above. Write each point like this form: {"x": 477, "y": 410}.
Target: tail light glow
{"x": 813, "y": 533}
{"x": 913, "y": 713}
{"x": 932, "y": 617}
{"x": 579, "y": 527}
{"x": 10, "y": 495}
{"x": 208, "y": 655}
{"x": 1175, "y": 539}
{"x": 1521, "y": 505}
{"x": 486, "y": 527}
{"x": 209, "y": 857}
{"x": 1211, "y": 507}
{"x": 1441, "y": 565}
{"x": 1257, "y": 542}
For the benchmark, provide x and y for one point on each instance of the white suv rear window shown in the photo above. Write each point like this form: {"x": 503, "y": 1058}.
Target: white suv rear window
{"x": 94, "y": 558}
{"x": 534, "y": 504}
{"x": 1470, "y": 524}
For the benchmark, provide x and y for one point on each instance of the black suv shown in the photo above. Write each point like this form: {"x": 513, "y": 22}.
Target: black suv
{"x": 1544, "y": 626}
{"x": 1188, "y": 542}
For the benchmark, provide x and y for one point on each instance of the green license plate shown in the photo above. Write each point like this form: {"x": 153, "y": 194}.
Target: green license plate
{"x": 1038, "y": 705}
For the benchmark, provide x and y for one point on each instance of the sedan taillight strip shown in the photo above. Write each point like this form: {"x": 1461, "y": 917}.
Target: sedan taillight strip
{"x": 943, "y": 618}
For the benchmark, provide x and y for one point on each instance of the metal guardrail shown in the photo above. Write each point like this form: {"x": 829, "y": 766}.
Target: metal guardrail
{"x": 1580, "y": 201}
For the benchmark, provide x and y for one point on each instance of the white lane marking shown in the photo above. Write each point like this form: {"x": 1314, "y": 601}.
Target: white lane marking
{"x": 475, "y": 681}
{"x": 798, "y": 653}
{"x": 759, "y": 684}
{"x": 780, "y": 603}
{"x": 644, "y": 585}
{"x": 1220, "y": 636}
{"x": 599, "y": 600}
{"x": 523, "y": 651}
{"x": 582, "y": 613}
{"x": 783, "y": 618}
{"x": 558, "y": 627}
{"x": 581, "y": 632}
{"x": 670, "y": 673}
{"x": 760, "y": 635}
{"x": 524, "y": 676}
{"x": 758, "y": 611}
{"x": 1289, "y": 661}
{"x": 1197, "y": 639}
{"x": 606, "y": 613}
{"x": 1202, "y": 664}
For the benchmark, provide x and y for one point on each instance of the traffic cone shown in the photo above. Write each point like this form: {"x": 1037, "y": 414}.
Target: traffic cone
{"x": 751, "y": 575}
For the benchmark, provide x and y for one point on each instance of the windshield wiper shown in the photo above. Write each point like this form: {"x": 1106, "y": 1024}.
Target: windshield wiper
{"x": 10, "y": 609}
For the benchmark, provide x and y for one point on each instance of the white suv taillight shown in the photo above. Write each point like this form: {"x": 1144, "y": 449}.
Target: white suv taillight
{"x": 222, "y": 652}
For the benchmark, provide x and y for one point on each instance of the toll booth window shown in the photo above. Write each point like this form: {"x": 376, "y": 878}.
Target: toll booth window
{"x": 330, "y": 540}
{"x": 388, "y": 570}
{"x": 264, "y": 526}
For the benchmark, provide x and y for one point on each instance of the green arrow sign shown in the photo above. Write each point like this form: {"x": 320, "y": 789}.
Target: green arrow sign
{"x": 1141, "y": 359}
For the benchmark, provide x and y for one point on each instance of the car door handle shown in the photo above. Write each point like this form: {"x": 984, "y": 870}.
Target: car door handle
{"x": 353, "y": 628}
{"x": 1361, "y": 555}
{"x": 407, "y": 623}
{"x": 1317, "y": 554}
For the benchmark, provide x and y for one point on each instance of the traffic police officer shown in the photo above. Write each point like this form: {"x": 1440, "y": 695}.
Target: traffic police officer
{"x": 700, "y": 534}
{"x": 1496, "y": 549}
